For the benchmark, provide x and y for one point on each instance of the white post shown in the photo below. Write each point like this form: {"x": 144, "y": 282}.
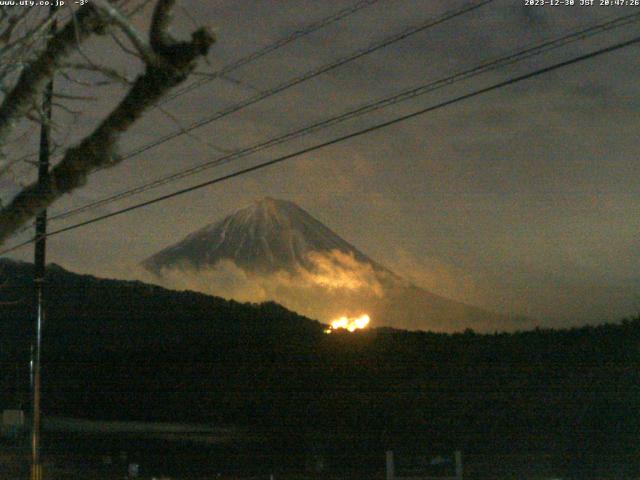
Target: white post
{"x": 458, "y": 458}
{"x": 391, "y": 475}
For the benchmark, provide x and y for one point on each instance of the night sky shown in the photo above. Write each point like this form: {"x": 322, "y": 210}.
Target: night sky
{"x": 522, "y": 200}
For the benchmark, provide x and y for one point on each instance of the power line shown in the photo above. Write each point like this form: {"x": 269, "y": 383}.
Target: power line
{"x": 385, "y": 42}
{"x": 407, "y": 32}
{"x": 342, "y": 138}
{"x": 271, "y": 48}
{"x": 368, "y": 108}
{"x": 307, "y": 76}
{"x": 253, "y": 56}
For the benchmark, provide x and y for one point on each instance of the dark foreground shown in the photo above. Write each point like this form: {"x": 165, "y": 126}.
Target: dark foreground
{"x": 535, "y": 404}
{"x": 81, "y": 457}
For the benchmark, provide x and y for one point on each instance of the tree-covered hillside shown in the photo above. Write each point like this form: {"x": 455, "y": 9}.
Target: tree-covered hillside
{"x": 126, "y": 350}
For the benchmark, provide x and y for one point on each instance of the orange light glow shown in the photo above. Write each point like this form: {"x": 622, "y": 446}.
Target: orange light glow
{"x": 349, "y": 323}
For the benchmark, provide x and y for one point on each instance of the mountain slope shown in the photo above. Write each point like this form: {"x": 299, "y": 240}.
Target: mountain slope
{"x": 275, "y": 250}
{"x": 268, "y": 236}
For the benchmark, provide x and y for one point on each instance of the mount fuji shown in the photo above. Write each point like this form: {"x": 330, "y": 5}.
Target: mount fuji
{"x": 265, "y": 237}
{"x": 275, "y": 250}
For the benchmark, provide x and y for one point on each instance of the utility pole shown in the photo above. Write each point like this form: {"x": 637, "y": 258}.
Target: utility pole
{"x": 39, "y": 274}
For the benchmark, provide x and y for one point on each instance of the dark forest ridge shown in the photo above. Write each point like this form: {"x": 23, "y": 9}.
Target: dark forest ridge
{"x": 116, "y": 350}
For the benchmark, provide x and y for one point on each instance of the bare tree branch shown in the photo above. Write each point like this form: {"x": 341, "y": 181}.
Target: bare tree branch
{"x": 159, "y": 36}
{"x": 136, "y": 39}
{"x": 102, "y": 70}
{"x": 35, "y": 75}
{"x": 171, "y": 64}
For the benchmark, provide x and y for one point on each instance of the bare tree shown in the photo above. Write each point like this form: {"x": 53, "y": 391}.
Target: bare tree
{"x": 26, "y": 69}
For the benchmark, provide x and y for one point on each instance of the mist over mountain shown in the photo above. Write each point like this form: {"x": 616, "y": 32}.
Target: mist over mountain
{"x": 275, "y": 250}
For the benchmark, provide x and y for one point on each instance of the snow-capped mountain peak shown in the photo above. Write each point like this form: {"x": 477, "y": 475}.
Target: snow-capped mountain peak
{"x": 266, "y": 236}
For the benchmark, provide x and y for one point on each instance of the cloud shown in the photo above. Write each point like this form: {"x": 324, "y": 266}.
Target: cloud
{"x": 338, "y": 270}
{"x": 438, "y": 276}
{"x": 225, "y": 279}
{"x": 336, "y": 283}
